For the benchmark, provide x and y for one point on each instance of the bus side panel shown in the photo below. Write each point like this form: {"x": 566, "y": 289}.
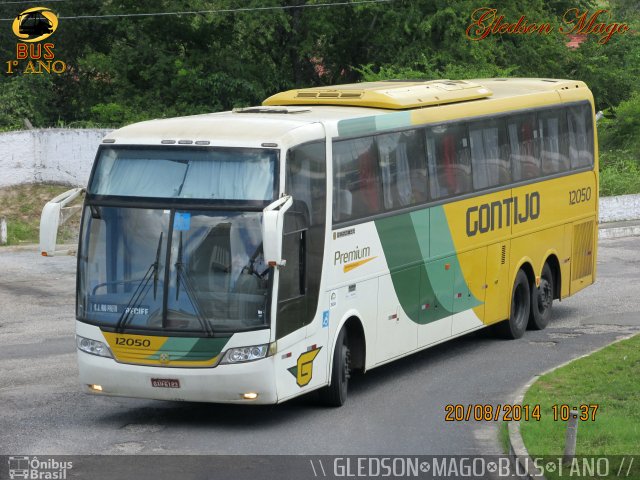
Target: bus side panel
{"x": 565, "y": 262}
{"x": 469, "y": 294}
{"x": 302, "y": 366}
{"x": 554, "y": 202}
{"x": 534, "y": 248}
{"x": 397, "y": 331}
{"x": 356, "y": 262}
{"x": 583, "y": 254}
{"x": 356, "y": 300}
{"x": 498, "y": 283}
{"x": 474, "y": 223}
{"x": 570, "y": 204}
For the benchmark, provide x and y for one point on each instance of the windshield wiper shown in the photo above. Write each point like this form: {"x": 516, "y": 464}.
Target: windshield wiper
{"x": 155, "y": 272}
{"x": 183, "y": 276}
{"x": 139, "y": 293}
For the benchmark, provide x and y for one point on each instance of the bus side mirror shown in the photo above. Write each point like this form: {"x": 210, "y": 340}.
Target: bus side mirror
{"x": 272, "y": 225}
{"x": 54, "y": 214}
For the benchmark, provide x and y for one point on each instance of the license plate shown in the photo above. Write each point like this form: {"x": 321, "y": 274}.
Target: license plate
{"x": 165, "y": 383}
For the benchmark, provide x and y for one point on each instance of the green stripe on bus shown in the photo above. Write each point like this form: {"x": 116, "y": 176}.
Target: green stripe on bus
{"x": 370, "y": 125}
{"x": 439, "y": 224}
{"x": 424, "y": 289}
{"x": 191, "y": 349}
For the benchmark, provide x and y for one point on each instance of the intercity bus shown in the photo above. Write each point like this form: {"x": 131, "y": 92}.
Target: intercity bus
{"x": 257, "y": 255}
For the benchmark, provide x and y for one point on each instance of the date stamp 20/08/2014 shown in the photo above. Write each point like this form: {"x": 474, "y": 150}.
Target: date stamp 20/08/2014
{"x": 516, "y": 412}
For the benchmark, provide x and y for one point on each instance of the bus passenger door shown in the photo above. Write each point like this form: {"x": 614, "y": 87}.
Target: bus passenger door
{"x": 397, "y": 314}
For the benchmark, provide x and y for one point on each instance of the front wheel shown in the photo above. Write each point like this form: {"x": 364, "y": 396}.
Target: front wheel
{"x": 542, "y": 300}
{"x": 335, "y": 394}
{"x": 520, "y": 305}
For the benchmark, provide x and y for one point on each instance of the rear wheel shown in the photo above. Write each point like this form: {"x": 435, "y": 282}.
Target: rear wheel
{"x": 542, "y": 300}
{"x": 335, "y": 394}
{"x": 520, "y": 306}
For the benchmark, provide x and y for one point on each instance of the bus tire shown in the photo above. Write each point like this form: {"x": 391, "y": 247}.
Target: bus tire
{"x": 542, "y": 300}
{"x": 335, "y": 394}
{"x": 516, "y": 325}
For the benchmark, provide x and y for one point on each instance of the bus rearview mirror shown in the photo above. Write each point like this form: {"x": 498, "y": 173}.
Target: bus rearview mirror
{"x": 54, "y": 214}
{"x": 272, "y": 225}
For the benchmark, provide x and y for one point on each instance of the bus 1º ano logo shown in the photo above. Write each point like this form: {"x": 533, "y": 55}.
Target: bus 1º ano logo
{"x": 32, "y": 26}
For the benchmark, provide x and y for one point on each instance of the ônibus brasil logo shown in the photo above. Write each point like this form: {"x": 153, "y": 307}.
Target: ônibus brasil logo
{"x": 32, "y": 26}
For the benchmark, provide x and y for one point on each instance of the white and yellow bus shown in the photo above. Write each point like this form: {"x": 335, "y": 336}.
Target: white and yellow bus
{"x": 257, "y": 255}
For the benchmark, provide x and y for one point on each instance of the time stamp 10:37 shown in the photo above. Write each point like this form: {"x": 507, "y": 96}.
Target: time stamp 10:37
{"x": 515, "y": 413}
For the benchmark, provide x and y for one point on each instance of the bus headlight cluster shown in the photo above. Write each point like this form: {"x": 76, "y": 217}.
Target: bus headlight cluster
{"x": 93, "y": 347}
{"x": 247, "y": 354}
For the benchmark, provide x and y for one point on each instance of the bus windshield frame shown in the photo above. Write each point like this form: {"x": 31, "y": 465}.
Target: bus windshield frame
{"x": 166, "y": 266}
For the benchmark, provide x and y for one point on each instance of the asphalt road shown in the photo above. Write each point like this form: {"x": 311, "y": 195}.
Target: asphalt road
{"x": 395, "y": 409}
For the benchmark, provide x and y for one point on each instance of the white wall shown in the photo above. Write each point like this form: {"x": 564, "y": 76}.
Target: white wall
{"x": 620, "y": 208}
{"x": 51, "y": 155}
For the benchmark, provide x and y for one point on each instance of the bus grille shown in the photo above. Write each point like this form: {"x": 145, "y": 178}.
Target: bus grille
{"x": 582, "y": 250}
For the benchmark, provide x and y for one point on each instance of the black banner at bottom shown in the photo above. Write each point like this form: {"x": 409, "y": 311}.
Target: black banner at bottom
{"x": 302, "y": 467}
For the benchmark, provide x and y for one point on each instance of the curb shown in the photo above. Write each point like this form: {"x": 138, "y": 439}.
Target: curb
{"x": 517, "y": 449}
{"x": 619, "y": 229}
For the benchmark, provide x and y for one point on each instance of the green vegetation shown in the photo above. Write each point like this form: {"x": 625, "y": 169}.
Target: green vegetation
{"x": 22, "y": 205}
{"x": 620, "y": 148}
{"x": 619, "y": 172}
{"x": 126, "y": 69}
{"x": 609, "y": 379}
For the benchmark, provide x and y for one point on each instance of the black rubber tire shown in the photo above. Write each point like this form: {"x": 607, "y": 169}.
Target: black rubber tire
{"x": 335, "y": 394}
{"x": 520, "y": 305}
{"x": 542, "y": 300}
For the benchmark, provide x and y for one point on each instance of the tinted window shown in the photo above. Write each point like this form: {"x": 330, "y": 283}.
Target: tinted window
{"x": 554, "y": 154}
{"x": 403, "y": 168}
{"x": 173, "y": 172}
{"x": 489, "y": 154}
{"x": 356, "y": 187}
{"x": 580, "y": 136}
{"x": 523, "y": 143}
{"x": 449, "y": 160}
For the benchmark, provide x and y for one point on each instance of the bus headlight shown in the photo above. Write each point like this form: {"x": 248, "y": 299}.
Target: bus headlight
{"x": 93, "y": 347}
{"x": 248, "y": 354}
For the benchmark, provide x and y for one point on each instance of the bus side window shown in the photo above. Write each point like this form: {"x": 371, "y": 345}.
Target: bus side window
{"x": 403, "y": 169}
{"x": 580, "y": 136}
{"x": 489, "y": 154}
{"x": 356, "y": 184}
{"x": 553, "y": 145}
{"x": 449, "y": 160}
{"x": 523, "y": 138}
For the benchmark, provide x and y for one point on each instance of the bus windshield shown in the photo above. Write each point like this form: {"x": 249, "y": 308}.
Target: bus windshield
{"x": 186, "y": 173}
{"x": 172, "y": 270}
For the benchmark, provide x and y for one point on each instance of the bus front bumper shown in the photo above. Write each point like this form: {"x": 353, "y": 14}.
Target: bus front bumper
{"x": 235, "y": 383}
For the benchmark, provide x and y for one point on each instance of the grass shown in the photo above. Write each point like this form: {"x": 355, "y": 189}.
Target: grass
{"x": 608, "y": 378}
{"x": 503, "y": 436}
{"x": 619, "y": 172}
{"x": 21, "y": 205}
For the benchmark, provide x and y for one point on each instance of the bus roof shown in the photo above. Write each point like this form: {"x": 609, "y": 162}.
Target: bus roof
{"x": 411, "y": 94}
{"x": 284, "y": 112}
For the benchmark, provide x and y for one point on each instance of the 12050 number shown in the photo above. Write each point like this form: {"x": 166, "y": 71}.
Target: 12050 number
{"x": 579, "y": 196}
{"x": 133, "y": 342}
